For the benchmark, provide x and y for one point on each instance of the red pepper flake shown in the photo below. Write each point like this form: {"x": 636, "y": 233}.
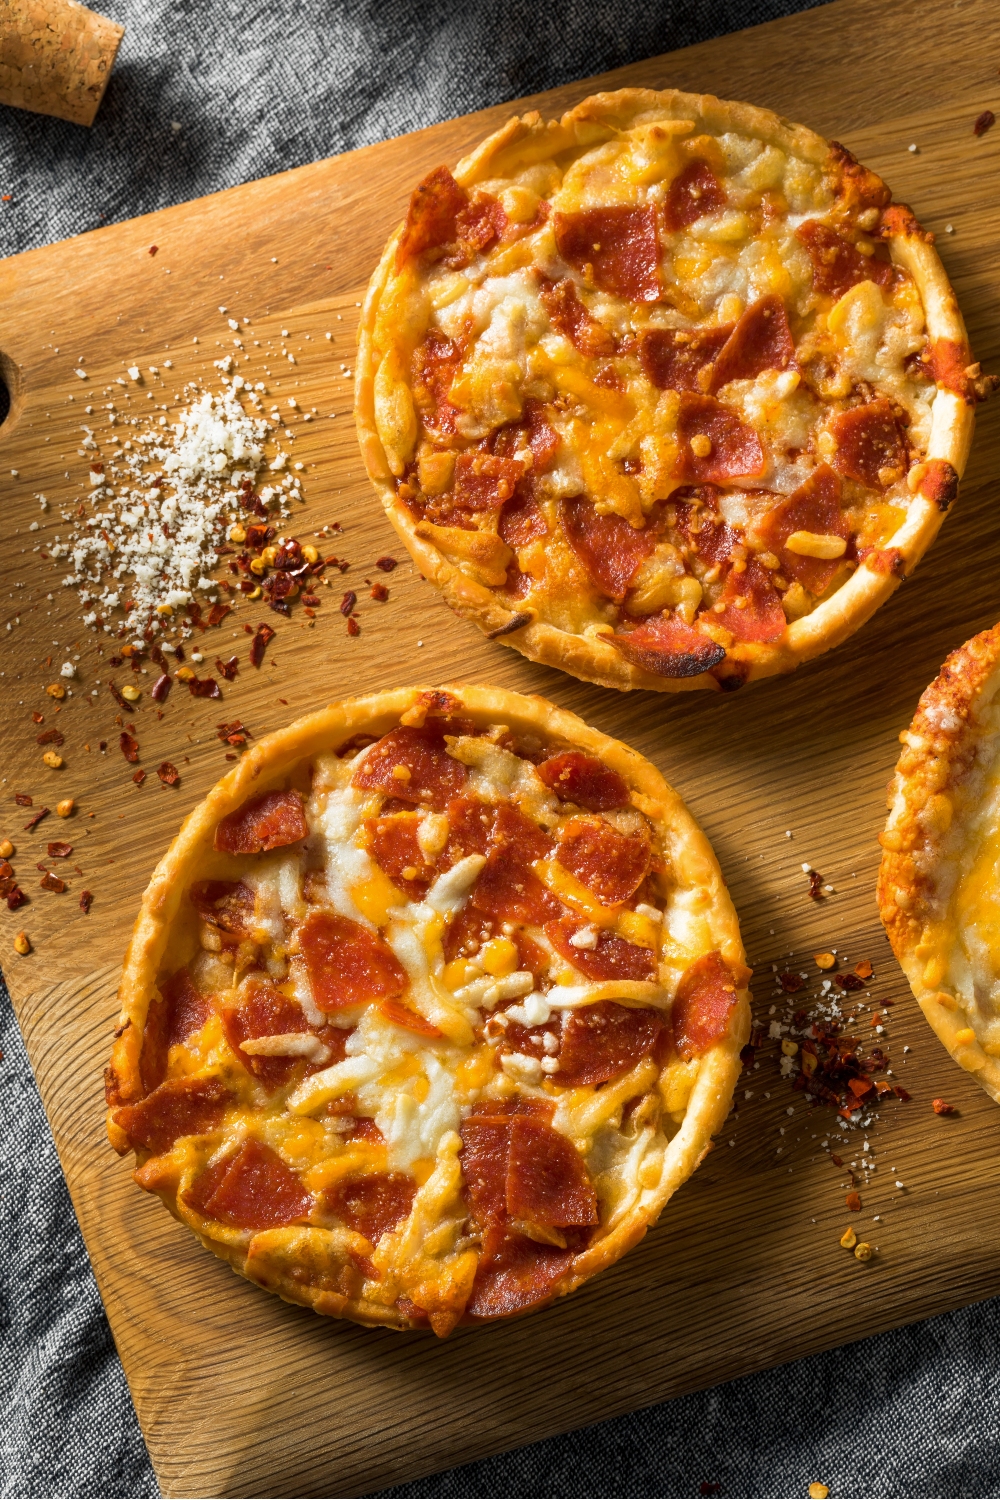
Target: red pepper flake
{"x": 204, "y": 687}
{"x": 168, "y": 774}
{"x": 153, "y": 249}
{"x": 86, "y": 897}
{"x": 116, "y": 695}
{"x": 902, "y": 1093}
{"x": 838, "y": 1161}
{"x": 139, "y": 777}
{"x": 379, "y": 592}
{"x": 22, "y": 799}
{"x": 51, "y": 737}
{"x": 940, "y": 1107}
{"x": 50, "y": 882}
{"x": 218, "y": 613}
{"x": 984, "y": 122}
{"x": 129, "y": 746}
{"x": 258, "y": 645}
{"x": 791, "y": 983}
{"x": 815, "y": 885}
{"x": 6, "y": 870}
{"x": 161, "y": 687}
{"x": 15, "y": 898}
{"x": 311, "y": 601}
{"x": 348, "y": 602}
{"x": 37, "y": 718}
{"x": 386, "y": 564}
{"x": 864, "y": 969}
{"x": 235, "y": 733}
{"x": 848, "y": 982}
{"x": 853, "y": 1201}
{"x": 353, "y": 628}
{"x": 59, "y": 850}
{"x": 43, "y": 812}
{"x": 228, "y": 669}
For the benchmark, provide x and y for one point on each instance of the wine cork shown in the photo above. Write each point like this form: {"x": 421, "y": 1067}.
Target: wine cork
{"x": 56, "y": 57}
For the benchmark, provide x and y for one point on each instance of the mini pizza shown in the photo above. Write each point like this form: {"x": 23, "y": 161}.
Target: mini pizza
{"x": 939, "y": 885}
{"x": 667, "y": 393}
{"x": 432, "y": 1004}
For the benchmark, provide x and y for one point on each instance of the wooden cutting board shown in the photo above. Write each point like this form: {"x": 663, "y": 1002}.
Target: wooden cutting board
{"x": 237, "y": 1393}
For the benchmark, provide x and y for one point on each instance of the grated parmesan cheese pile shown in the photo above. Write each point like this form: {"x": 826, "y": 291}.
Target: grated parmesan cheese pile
{"x": 161, "y": 509}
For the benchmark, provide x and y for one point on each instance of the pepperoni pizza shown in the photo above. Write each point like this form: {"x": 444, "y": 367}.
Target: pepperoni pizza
{"x": 667, "y": 393}
{"x": 434, "y": 1001}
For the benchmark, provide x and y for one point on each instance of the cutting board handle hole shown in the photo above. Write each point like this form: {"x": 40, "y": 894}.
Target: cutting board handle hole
{"x": 11, "y": 387}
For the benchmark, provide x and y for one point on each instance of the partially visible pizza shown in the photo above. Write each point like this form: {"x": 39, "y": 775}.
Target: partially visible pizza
{"x": 667, "y": 393}
{"x": 432, "y": 1004}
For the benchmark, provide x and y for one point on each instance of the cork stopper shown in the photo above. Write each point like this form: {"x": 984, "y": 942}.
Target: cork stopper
{"x": 56, "y": 57}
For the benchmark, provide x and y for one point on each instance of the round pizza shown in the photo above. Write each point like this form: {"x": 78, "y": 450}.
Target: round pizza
{"x": 667, "y": 393}
{"x": 939, "y": 884}
{"x": 433, "y": 1002}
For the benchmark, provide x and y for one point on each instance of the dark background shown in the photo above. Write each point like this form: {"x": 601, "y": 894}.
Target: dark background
{"x": 207, "y": 94}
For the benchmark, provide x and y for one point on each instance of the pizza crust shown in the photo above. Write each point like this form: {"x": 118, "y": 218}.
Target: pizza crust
{"x": 305, "y": 1264}
{"x": 941, "y": 783}
{"x": 384, "y": 411}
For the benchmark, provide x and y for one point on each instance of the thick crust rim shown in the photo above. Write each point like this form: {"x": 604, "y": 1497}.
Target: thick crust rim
{"x": 936, "y": 772}
{"x": 270, "y": 760}
{"x": 588, "y": 657}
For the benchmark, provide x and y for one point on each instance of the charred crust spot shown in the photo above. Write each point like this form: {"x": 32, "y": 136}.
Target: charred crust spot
{"x": 940, "y": 483}
{"x": 516, "y": 622}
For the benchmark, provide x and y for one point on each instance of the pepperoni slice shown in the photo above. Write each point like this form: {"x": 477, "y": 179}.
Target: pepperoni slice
{"x": 694, "y": 192}
{"x": 508, "y": 889}
{"x": 251, "y": 1189}
{"x": 761, "y": 340}
{"x": 617, "y": 249}
{"x": 611, "y": 864}
{"x": 814, "y": 507}
{"x": 585, "y": 780}
{"x": 262, "y": 823}
{"x": 431, "y": 216}
{"x": 372, "y": 1205}
{"x": 467, "y": 931}
{"x": 703, "y": 1005}
{"x": 513, "y": 1104}
{"x": 413, "y": 765}
{"x": 837, "y": 264}
{"x": 365, "y": 1129}
{"x": 228, "y": 904}
{"x": 667, "y": 647}
{"x": 521, "y": 521}
{"x": 435, "y": 364}
{"x": 674, "y": 358}
{"x": 543, "y": 440}
{"x": 401, "y": 1015}
{"x": 612, "y": 958}
{"x": 547, "y": 1180}
{"x": 870, "y": 446}
{"x": 470, "y": 829}
{"x": 518, "y": 1275}
{"x": 704, "y": 530}
{"x": 347, "y": 964}
{"x": 480, "y": 223}
{"x": 610, "y": 549}
{"x": 485, "y": 1149}
{"x": 602, "y": 1041}
{"x": 179, "y": 1107}
{"x": 752, "y": 606}
{"x": 393, "y": 845}
{"x": 181, "y": 1011}
{"x": 484, "y": 481}
{"x": 569, "y": 317}
{"x": 734, "y": 449}
{"x": 264, "y": 1011}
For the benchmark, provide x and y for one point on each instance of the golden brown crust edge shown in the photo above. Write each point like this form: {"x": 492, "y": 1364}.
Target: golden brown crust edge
{"x": 937, "y": 772}
{"x": 265, "y": 765}
{"x": 588, "y": 657}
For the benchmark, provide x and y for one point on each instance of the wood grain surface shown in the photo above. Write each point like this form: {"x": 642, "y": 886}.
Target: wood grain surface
{"x": 237, "y": 1393}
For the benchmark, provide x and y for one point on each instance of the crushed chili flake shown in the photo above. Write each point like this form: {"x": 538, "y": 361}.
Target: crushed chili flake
{"x": 161, "y": 687}
{"x": 15, "y": 898}
{"x": 901, "y": 1093}
{"x": 204, "y": 687}
{"x": 864, "y": 969}
{"x": 790, "y": 982}
{"x": 259, "y": 644}
{"x": 815, "y": 885}
{"x": 353, "y": 628}
{"x": 51, "y": 737}
{"x": 386, "y": 564}
{"x": 33, "y": 822}
{"x": 227, "y": 669}
{"x": 50, "y": 882}
{"x": 348, "y": 602}
{"x": 129, "y": 746}
{"x": 168, "y": 774}
{"x": 59, "y": 850}
{"x": 848, "y": 982}
{"x": 853, "y": 1201}
{"x": 379, "y": 592}
{"x": 22, "y": 799}
{"x": 37, "y": 718}
{"x": 139, "y": 777}
{"x": 116, "y": 695}
{"x": 838, "y": 1161}
{"x": 984, "y": 122}
{"x": 940, "y": 1107}
{"x": 235, "y": 733}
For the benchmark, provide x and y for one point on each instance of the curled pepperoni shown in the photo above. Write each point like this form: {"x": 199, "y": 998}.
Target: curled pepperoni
{"x": 667, "y": 647}
{"x": 602, "y": 1041}
{"x": 761, "y": 340}
{"x": 508, "y": 889}
{"x": 521, "y": 521}
{"x": 262, "y": 823}
{"x": 372, "y": 1205}
{"x": 228, "y": 904}
{"x": 413, "y": 765}
{"x": 674, "y": 359}
{"x": 703, "y": 1005}
{"x": 347, "y": 964}
{"x": 179, "y": 1013}
{"x": 569, "y": 317}
{"x": 401, "y": 1015}
{"x": 431, "y": 216}
{"x": 253, "y": 1188}
{"x": 585, "y": 780}
{"x": 435, "y": 364}
{"x": 870, "y": 446}
{"x": 733, "y": 448}
{"x": 611, "y": 864}
{"x": 611, "y": 550}
{"x": 263, "y": 1011}
{"x": 480, "y": 224}
{"x": 617, "y": 248}
{"x": 484, "y": 481}
{"x": 694, "y": 192}
{"x": 179, "y": 1107}
{"x": 751, "y": 605}
{"x": 547, "y": 1180}
{"x": 520, "y": 1274}
{"x": 814, "y": 507}
{"x": 393, "y": 845}
{"x": 837, "y": 264}
{"x": 612, "y": 957}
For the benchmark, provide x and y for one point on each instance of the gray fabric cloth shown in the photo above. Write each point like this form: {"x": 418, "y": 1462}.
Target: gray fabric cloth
{"x": 255, "y": 88}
